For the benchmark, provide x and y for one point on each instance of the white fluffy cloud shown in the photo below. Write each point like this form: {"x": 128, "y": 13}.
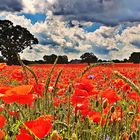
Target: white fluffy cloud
{"x": 56, "y": 36}
{"x": 34, "y": 6}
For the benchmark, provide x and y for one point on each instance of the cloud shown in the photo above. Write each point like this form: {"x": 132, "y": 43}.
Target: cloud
{"x": 136, "y": 43}
{"x": 36, "y": 53}
{"x": 55, "y": 36}
{"x": 34, "y": 6}
{"x": 105, "y": 11}
{"x": 19, "y": 20}
{"x": 10, "y": 5}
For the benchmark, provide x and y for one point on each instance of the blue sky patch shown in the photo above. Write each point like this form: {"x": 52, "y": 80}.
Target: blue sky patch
{"x": 37, "y": 17}
{"x": 93, "y": 27}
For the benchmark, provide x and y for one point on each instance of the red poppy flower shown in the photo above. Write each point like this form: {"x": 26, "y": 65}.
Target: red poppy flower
{"x": 126, "y": 88}
{"x": 20, "y": 94}
{"x": 40, "y": 127}
{"x": 2, "y": 121}
{"x": 39, "y": 88}
{"x": 79, "y": 97}
{"x": 84, "y": 85}
{"x": 57, "y": 101}
{"x": 134, "y": 95}
{"x": 2, "y": 66}
{"x": 18, "y": 74}
{"x": 3, "y": 89}
{"x": 111, "y": 95}
{"x": 2, "y": 135}
{"x": 96, "y": 117}
{"x": 119, "y": 83}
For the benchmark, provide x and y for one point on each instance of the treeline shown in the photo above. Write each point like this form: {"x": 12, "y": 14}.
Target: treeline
{"x": 84, "y": 58}
{"x": 14, "y": 39}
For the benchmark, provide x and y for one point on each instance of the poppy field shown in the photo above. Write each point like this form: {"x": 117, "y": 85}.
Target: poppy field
{"x": 70, "y": 102}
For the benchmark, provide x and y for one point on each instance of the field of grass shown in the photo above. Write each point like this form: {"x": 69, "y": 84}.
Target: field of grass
{"x": 70, "y": 102}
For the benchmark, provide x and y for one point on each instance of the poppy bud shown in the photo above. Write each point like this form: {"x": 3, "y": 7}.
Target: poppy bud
{"x": 70, "y": 89}
{"x": 105, "y": 103}
{"x": 97, "y": 103}
{"x": 112, "y": 109}
{"x": 134, "y": 135}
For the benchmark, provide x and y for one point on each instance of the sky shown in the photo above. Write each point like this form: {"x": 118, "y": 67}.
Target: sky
{"x": 108, "y": 28}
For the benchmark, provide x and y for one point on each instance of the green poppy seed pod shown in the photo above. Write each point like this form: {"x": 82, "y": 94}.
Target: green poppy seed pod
{"x": 105, "y": 103}
{"x": 112, "y": 109}
{"x": 70, "y": 89}
{"x": 134, "y": 135}
{"x": 74, "y": 137}
{"x": 97, "y": 103}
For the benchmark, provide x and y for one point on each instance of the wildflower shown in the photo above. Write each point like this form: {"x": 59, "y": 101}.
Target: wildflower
{"x": 111, "y": 95}
{"x": 134, "y": 95}
{"x": 84, "y": 85}
{"x": 57, "y": 101}
{"x": 41, "y": 127}
{"x": 2, "y": 66}
{"x": 3, "y": 89}
{"x": 39, "y": 88}
{"x": 119, "y": 83}
{"x": 2, "y": 134}
{"x": 79, "y": 99}
{"x": 18, "y": 74}
{"x": 96, "y": 117}
{"x": 20, "y": 94}
{"x": 126, "y": 88}
{"x": 2, "y": 121}
{"x": 91, "y": 77}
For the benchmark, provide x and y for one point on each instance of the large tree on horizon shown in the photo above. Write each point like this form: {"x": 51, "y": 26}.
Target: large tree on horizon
{"x": 13, "y": 40}
{"x": 135, "y": 57}
{"x": 88, "y": 58}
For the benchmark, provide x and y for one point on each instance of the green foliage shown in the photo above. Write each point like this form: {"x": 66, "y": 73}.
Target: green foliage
{"x": 13, "y": 40}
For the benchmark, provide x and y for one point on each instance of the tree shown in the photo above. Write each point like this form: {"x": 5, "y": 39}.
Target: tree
{"x": 62, "y": 59}
{"x": 50, "y": 59}
{"x": 1, "y": 59}
{"x": 135, "y": 57}
{"x": 88, "y": 58}
{"x": 13, "y": 40}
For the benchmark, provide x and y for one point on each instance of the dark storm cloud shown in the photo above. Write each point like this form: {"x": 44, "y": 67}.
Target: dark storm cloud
{"x": 10, "y": 5}
{"x": 105, "y": 11}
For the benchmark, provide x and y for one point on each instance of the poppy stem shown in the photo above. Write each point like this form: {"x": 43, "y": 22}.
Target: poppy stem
{"x": 29, "y": 69}
{"x": 24, "y": 68}
{"x": 46, "y": 100}
{"x": 20, "y": 110}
